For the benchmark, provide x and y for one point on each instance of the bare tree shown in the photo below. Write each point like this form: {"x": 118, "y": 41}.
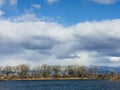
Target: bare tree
{"x": 1, "y": 70}
{"x": 7, "y": 70}
{"x": 82, "y": 72}
{"x": 112, "y": 73}
{"x": 70, "y": 70}
{"x": 23, "y": 70}
{"x": 37, "y": 72}
{"x": 93, "y": 70}
{"x": 57, "y": 71}
{"x": 46, "y": 70}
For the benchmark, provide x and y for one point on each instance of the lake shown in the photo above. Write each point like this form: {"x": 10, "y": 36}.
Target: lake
{"x": 60, "y": 85}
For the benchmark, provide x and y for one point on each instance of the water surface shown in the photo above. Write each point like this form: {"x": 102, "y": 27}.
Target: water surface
{"x": 60, "y": 85}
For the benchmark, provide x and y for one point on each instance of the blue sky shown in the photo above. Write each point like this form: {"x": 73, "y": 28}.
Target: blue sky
{"x": 64, "y": 11}
{"x": 64, "y": 32}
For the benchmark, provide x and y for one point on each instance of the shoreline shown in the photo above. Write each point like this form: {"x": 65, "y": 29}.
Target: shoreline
{"x": 45, "y": 79}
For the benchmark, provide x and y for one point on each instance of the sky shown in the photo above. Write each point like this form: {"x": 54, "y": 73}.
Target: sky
{"x": 65, "y": 32}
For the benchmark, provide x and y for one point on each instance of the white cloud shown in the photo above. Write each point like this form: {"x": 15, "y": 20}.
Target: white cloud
{"x": 38, "y": 6}
{"x": 13, "y": 2}
{"x": 25, "y": 17}
{"x": 117, "y": 59}
{"x": 106, "y": 2}
{"x": 1, "y": 13}
{"x": 52, "y": 1}
{"x": 37, "y": 42}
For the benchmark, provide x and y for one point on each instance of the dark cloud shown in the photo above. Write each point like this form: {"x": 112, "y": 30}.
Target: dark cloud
{"x": 39, "y": 43}
{"x": 106, "y": 46}
{"x": 7, "y": 46}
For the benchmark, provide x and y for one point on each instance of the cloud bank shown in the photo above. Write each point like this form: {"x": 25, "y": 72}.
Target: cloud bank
{"x": 40, "y": 42}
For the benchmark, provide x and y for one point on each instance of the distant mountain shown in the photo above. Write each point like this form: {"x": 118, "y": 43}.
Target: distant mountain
{"x": 106, "y": 69}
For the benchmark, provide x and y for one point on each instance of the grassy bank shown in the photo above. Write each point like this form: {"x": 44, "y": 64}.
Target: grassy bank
{"x": 71, "y": 78}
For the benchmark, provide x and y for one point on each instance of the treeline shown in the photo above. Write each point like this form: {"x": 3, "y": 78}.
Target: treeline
{"x": 24, "y": 71}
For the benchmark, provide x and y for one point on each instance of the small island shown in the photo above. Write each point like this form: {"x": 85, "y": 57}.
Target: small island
{"x": 56, "y": 72}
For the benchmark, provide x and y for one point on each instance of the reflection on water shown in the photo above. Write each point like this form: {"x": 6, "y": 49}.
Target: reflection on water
{"x": 60, "y": 85}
